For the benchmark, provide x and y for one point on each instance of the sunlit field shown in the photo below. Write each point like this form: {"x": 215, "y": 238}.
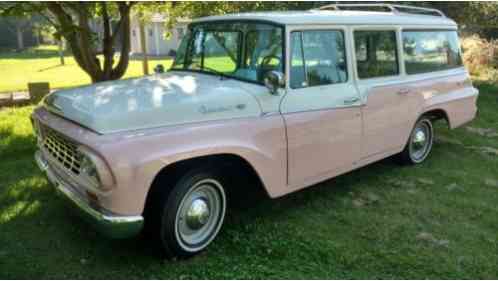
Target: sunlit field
{"x": 42, "y": 64}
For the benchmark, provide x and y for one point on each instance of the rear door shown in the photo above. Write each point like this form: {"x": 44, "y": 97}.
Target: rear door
{"x": 390, "y": 109}
{"x": 322, "y": 106}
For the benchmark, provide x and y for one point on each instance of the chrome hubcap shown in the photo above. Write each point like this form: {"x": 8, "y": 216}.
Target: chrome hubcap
{"x": 198, "y": 214}
{"x": 421, "y": 141}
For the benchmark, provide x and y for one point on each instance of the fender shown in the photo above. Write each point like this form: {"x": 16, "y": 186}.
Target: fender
{"x": 137, "y": 160}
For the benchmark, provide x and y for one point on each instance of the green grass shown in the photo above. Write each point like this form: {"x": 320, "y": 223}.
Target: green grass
{"x": 377, "y": 222}
{"x": 42, "y": 64}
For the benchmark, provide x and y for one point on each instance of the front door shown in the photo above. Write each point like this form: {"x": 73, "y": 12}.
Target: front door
{"x": 321, "y": 108}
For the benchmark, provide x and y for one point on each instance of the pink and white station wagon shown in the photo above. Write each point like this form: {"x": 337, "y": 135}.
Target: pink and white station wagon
{"x": 291, "y": 98}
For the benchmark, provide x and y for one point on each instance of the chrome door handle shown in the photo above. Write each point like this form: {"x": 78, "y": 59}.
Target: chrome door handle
{"x": 404, "y": 91}
{"x": 351, "y": 100}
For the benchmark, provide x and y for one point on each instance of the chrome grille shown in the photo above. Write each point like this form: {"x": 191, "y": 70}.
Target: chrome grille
{"x": 62, "y": 150}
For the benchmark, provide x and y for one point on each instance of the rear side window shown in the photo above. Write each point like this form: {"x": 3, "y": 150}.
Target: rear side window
{"x": 428, "y": 51}
{"x": 318, "y": 57}
{"x": 376, "y": 54}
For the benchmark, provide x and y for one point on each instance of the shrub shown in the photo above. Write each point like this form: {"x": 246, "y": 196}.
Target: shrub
{"x": 481, "y": 57}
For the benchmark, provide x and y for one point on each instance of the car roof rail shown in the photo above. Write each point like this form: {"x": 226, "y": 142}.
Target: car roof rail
{"x": 395, "y": 9}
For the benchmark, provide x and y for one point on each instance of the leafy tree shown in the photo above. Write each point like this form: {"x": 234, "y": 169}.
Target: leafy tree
{"x": 479, "y": 14}
{"x": 71, "y": 21}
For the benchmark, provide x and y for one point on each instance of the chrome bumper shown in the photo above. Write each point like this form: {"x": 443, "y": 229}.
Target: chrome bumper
{"x": 109, "y": 224}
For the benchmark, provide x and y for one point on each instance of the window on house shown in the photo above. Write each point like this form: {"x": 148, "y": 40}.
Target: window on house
{"x": 318, "y": 57}
{"x": 133, "y": 33}
{"x": 428, "y": 51}
{"x": 376, "y": 54}
{"x": 150, "y": 31}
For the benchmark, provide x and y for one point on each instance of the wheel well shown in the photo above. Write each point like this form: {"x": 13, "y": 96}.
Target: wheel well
{"x": 438, "y": 114}
{"x": 232, "y": 167}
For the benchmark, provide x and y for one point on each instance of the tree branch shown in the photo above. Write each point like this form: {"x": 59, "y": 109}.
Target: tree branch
{"x": 124, "y": 12}
{"x": 85, "y": 41}
{"x": 68, "y": 31}
{"x": 108, "y": 41}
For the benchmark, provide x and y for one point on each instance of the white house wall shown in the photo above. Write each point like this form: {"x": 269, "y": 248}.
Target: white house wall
{"x": 157, "y": 44}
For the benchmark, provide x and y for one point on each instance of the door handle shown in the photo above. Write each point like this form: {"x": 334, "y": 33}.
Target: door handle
{"x": 404, "y": 91}
{"x": 351, "y": 100}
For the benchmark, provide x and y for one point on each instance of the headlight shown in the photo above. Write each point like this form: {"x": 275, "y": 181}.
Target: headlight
{"x": 89, "y": 171}
{"x": 94, "y": 171}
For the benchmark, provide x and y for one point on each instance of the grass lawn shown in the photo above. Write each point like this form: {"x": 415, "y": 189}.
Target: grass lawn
{"x": 437, "y": 220}
{"x": 42, "y": 64}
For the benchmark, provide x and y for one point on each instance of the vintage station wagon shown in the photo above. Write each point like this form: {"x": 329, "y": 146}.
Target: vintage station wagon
{"x": 290, "y": 98}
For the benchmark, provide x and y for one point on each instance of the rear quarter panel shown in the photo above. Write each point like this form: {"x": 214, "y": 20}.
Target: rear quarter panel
{"x": 450, "y": 91}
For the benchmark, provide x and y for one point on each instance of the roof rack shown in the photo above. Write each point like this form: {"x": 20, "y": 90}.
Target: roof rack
{"x": 397, "y": 9}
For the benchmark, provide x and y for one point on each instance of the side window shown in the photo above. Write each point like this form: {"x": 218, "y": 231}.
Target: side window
{"x": 428, "y": 51}
{"x": 376, "y": 54}
{"x": 318, "y": 57}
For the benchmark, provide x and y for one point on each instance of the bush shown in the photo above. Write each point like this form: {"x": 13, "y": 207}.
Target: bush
{"x": 481, "y": 56}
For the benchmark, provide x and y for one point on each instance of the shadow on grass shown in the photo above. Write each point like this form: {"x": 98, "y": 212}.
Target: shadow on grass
{"x": 252, "y": 203}
{"x": 12, "y": 145}
{"x": 41, "y": 53}
{"x": 33, "y": 53}
{"x": 29, "y": 206}
{"x": 50, "y": 68}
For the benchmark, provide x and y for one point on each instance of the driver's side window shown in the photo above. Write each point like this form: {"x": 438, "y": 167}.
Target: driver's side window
{"x": 318, "y": 57}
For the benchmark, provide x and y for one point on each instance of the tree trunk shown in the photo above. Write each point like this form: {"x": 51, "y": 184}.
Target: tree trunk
{"x": 40, "y": 38}
{"x": 79, "y": 37}
{"x": 61, "y": 51}
{"x": 143, "y": 47}
{"x": 124, "y": 28}
{"x": 20, "y": 39}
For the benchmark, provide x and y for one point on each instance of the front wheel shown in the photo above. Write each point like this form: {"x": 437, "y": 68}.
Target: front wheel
{"x": 193, "y": 213}
{"x": 419, "y": 144}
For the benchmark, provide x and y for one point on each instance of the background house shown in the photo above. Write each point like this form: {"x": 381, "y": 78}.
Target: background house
{"x": 156, "y": 41}
{"x": 18, "y": 33}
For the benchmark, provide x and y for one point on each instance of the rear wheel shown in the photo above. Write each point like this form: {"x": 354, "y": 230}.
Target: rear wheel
{"x": 419, "y": 144}
{"x": 193, "y": 213}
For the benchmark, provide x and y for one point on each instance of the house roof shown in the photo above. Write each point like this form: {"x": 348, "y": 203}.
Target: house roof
{"x": 338, "y": 17}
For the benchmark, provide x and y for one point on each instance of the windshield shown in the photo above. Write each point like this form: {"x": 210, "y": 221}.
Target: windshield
{"x": 242, "y": 50}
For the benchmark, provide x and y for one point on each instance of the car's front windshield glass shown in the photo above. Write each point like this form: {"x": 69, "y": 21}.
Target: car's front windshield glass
{"x": 242, "y": 50}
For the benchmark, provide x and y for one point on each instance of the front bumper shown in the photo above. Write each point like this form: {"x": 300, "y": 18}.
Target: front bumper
{"x": 109, "y": 224}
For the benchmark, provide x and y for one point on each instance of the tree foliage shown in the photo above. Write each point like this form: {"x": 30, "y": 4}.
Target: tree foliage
{"x": 480, "y": 14}
{"x": 72, "y": 21}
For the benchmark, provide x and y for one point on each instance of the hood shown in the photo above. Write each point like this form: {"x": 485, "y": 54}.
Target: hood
{"x": 159, "y": 100}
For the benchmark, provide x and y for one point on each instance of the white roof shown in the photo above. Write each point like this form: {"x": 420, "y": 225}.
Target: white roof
{"x": 338, "y": 17}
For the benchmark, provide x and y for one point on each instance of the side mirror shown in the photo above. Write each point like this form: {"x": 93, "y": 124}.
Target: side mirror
{"x": 159, "y": 68}
{"x": 274, "y": 80}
